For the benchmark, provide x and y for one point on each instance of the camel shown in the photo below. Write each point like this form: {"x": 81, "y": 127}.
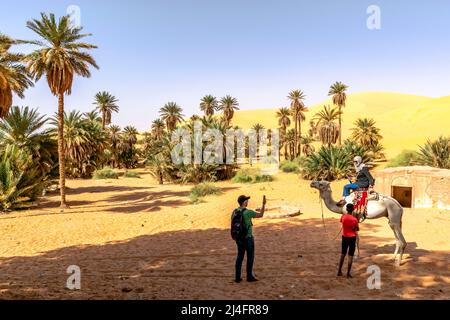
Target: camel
{"x": 384, "y": 207}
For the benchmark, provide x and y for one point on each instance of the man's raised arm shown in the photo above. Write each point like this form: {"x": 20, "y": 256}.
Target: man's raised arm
{"x": 260, "y": 212}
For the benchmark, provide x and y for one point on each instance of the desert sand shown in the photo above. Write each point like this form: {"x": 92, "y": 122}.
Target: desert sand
{"x": 135, "y": 239}
{"x": 404, "y": 119}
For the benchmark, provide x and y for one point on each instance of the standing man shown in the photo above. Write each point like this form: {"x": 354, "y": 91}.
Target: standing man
{"x": 242, "y": 233}
{"x": 349, "y": 233}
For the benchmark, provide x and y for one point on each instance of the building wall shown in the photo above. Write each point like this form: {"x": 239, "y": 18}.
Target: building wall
{"x": 428, "y": 191}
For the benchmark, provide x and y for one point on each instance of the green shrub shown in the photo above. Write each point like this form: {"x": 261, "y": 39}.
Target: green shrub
{"x": 129, "y": 174}
{"x": 251, "y": 176}
{"x": 21, "y": 181}
{"x": 289, "y": 166}
{"x": 435, "y": 153}
{"x": 105, "y": 173}
{"x": 404, "y": 159}
{"x": 201, "y": 190}
{"x": 333, "y": 162}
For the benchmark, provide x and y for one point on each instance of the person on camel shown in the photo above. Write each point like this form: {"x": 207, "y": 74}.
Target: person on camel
{"x": 364, "y": 180}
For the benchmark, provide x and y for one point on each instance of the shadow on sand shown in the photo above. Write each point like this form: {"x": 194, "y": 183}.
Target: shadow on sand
{"x": 294, "y": 260}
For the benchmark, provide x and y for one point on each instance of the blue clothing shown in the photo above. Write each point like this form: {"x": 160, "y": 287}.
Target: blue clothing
{"x": 348, "y": 187}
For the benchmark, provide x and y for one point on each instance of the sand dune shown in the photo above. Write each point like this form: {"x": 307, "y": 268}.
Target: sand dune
{"x": 406, "y": 121}
{"x": 134, "y": 239}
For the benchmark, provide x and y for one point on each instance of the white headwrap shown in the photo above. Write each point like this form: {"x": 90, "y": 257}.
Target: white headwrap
{"x": 357, "y": 161}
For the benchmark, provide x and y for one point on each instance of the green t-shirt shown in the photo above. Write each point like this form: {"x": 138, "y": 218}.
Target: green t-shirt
{"x": 248, "y": 215}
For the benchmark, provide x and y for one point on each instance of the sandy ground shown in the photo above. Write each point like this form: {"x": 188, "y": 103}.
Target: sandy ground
{"x": 134, "y": 239}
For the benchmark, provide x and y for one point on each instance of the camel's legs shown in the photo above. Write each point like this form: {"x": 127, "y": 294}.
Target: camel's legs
{"x": 397, "y": 241}
{"x": 401, "y": 242}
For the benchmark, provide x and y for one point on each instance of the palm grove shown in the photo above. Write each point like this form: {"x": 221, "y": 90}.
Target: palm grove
{"x": 37, "y": 150}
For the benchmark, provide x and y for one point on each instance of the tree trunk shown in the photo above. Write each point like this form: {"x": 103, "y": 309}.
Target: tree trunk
{"x": 296, "y": 134}
{"x": 160, "y": 176}
{"x": 340, "y": 127}
{"x": 300, "y": 137}
{"x": 61, "y": 154}
{"x": 103, "y": 121}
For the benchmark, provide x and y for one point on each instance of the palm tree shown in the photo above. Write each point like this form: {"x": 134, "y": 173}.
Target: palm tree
{"x": 209, "y": 104}
{"x": 366, "y": 133}
{"x": 328, "y": 129}
{"x": 60, "y": 57}
{"x": 228, "y": 105}
{"x": 297, "y": 111}
{"x": 13, "y": 75}
{"x": 291, "y": 142}
{"x": 25, "y": 128}
{"x": 258, "y": 128}
{"x": 337, "y": 91}
{"x": 307, "y": 147}
{"x": 312, "y": 132}
{"x": 158, "y": 127}
{"x": 92, "y": 116}
{"x": 115, "y": 143}
{"x": 106, "y": 104}
{"x": 284, "y": 121}
{"x": 171, "y": 114}
{"x": 130, "y": 135}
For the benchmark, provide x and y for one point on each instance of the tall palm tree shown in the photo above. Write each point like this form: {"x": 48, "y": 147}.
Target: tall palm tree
{"x": 106, "y": 104}
{"x": 297, "y": 98}
{"x": 158, "y": 127}
{"x": 284, "y": 121}
{"x": 290, "y": 142}
{"x": 327, "y": 127}
{"x": 228, "y": 105}
{"x": 366, "y": 133}
{"x": 13, "y": 75}
{"x": 337, "y": 91}
{"x": 171, "y": 114}
{"x": 209, "y": 104}
{"x": 258, "y": 127}
{"x": 60, "y": 57}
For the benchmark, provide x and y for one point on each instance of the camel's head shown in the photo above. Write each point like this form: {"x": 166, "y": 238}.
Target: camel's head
{"x": 320, "y": 185}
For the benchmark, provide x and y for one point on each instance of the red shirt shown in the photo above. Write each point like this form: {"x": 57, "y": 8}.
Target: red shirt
{"x": 349, "y": 225}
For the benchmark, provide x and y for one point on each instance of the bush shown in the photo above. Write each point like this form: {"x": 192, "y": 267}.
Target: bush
{"x": 201, "y": 190}
{"x": 251, "y": 176}
{"x": 129, "y": 174}
{"x": 289, "y": 166}
{"x": 435, "y": 153}
{"x": 332, "y": 162}
{"x": 105, "y": 173}
{"x": 404, "y": 159}
{"x": 21, "y": 182}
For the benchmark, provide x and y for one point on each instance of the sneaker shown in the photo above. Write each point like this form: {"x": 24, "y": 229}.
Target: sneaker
{"x": 238, "y": 280}
{"x": 252, "y": 279}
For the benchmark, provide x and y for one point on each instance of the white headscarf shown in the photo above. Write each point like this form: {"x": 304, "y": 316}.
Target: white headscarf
{"x": 357, "y": 162}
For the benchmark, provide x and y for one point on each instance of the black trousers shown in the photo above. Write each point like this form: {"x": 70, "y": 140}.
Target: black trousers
{"x": 246, "y": 245}
{"x": 348, "y": 244}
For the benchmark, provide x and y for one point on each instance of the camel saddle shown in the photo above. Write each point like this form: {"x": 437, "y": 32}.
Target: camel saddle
{"x": 361, "y": 197}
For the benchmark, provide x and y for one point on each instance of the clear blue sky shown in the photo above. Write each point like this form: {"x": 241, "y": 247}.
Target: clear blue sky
{"x": 155, "y": 51}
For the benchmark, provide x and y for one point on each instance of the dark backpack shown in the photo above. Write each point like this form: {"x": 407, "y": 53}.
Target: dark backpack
{"x": 238, "y": 228}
